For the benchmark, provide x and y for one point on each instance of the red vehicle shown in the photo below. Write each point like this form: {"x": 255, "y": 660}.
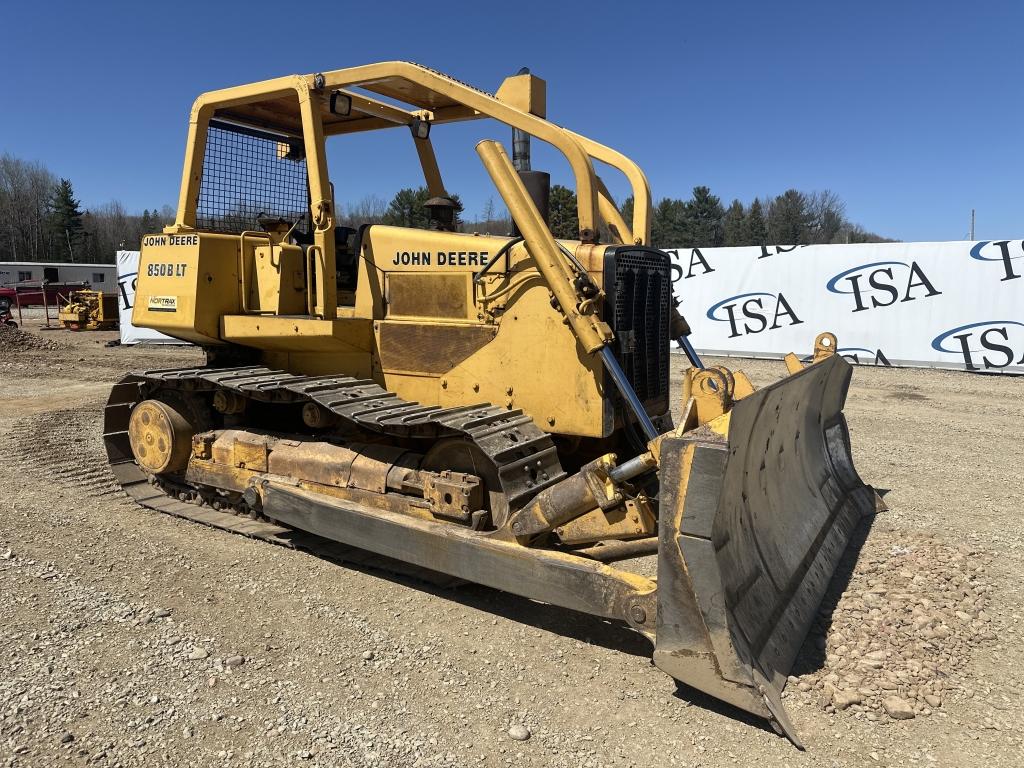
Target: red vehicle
{"x": 32, "y": 295}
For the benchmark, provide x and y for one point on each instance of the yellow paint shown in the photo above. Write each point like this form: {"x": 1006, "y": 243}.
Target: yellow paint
{"x": 257, "y": 290}
{"x": 297, "y": 334}
{"x": 201, "y": 274}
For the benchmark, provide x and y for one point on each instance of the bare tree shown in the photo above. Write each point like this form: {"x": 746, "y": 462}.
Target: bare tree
{"x": 25, "y": 192}
{"x": 110, "y": 229}
{"x": 369, "y": 210}
{"x": 27, "y": 219}
{"x": 492, "y": 221}
{"x": 488, "y": 212}
{"x": 827, "y": 214}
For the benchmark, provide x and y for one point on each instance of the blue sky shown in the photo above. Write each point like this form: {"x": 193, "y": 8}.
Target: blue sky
{"x": 910, "y": 111}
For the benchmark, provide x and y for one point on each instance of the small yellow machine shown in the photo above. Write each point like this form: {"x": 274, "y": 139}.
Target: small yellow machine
{"x": 492, "y": 408}
{"x": 90, "y": 311}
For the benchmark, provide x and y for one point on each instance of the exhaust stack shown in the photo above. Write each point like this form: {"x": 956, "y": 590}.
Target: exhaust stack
{"x": 537, "y": 183}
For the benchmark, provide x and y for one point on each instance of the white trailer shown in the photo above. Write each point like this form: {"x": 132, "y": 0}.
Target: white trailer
{"x": 102, "y": 277}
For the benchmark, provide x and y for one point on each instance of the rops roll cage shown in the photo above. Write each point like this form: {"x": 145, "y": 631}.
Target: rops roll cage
{"x": 311, "y": 107}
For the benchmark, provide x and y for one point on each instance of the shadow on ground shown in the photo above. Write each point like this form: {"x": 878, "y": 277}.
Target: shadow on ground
{"x": 811, "y": 656}
{"x": 593, "y": 630}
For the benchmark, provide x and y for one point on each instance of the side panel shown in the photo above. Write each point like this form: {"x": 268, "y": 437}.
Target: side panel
{"x": 535, "y": 363}
{"x": 443, "y": 341}
{"x": 187, "y": 282}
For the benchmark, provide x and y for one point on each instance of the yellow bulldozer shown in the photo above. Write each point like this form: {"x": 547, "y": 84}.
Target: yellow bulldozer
{"x": 491, "y": 408}
{"x": 88, "y": 310}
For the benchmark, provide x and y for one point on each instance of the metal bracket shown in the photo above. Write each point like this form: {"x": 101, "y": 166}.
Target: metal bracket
{"x": 453, "y": 495}
{"x": 825, "y": 346}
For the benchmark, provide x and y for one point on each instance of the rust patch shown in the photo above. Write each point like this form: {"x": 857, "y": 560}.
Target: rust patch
{"x": 427, "y": 295}
{"x": 430, "y": 349}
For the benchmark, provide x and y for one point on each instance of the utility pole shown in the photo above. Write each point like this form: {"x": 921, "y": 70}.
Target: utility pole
{"x": 71, "y": 250}
{"x": 972, "y": 224}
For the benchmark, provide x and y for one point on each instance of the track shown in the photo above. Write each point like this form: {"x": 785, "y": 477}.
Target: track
{"x": 523, "y": 456}
{"x": 57, "y": 447}
{"x": 525, "y": 459}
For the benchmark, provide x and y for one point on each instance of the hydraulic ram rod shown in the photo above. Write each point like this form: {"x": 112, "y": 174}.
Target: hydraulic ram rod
{"x": 628, "y": 393}
{"x": 691, "y": 353}
{"x": 679, "y": 329}
{"x": 589, "y": 328}
{"x": 593, "y": 333}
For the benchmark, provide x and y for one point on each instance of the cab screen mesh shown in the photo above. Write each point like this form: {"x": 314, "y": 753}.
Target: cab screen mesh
{"x": 248, "y": 174}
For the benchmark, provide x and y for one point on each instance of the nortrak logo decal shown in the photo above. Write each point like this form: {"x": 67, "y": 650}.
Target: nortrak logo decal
{"x": 1000, "y": 250}
{"x": 750, "y": 313}
{"x": 990, "y": 344}
{"x": 882, "y": 284}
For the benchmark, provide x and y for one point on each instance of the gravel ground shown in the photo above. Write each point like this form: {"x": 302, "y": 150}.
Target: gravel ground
{"x": 130, "y": 638}
{"x": 14, "y": 338}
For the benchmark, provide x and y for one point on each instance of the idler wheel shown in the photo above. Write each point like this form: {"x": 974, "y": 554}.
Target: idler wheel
{"x": 160, "y": 436}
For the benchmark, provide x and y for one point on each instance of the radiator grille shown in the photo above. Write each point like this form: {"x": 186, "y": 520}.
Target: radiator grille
{"x": 642, "y": 290}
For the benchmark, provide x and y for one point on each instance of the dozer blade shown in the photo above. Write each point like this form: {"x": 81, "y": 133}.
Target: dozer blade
{"x": 751, "y": 529}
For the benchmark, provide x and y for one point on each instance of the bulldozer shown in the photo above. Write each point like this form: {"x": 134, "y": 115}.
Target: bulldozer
{"x": 492, "y": 408}
{"x": 88, "y": 310}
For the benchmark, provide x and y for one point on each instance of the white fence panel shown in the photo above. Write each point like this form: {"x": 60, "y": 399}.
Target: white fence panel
{"x": 946, "y": 305}
{"x": 127, "y": 276}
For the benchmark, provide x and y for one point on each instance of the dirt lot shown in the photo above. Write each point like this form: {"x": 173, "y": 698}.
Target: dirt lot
{"x": 130, "y": 638}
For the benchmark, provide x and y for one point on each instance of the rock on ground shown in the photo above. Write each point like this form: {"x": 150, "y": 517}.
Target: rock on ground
{"x": 83, "y": 650}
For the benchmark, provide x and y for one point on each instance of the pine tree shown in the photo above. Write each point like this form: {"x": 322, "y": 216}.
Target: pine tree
{"x": 754, "y": 226}
{"x": 627, "y": 210}
{"x": 789, "y": 219}
{"x": 66, "y": 222}
{"x": 407, "y": 209}
{"x": 563, "y": 218}
{"x": 668, "y": 228}
{"x": 734, "y": 231}
{"x": 704, "y": 215}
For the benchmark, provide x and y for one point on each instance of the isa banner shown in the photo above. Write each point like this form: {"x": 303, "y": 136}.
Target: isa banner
{"x": 127, "y": 277}
{"x": 945, "y": 305}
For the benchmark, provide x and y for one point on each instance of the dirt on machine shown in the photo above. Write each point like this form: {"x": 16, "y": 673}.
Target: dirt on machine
{"x": 492, "y": 408}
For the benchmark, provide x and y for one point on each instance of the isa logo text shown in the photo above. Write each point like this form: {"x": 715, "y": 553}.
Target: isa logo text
{"x": 752, "y": 313}
{"x": 984, "y": 346}
{"x": 1005, "y": 251}
{"x": 882, "y": 284}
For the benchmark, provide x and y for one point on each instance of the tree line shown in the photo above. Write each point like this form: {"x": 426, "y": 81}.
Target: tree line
{"x": 41, "y": 219}
{"x": 408, "y": 209}
{"x": 791, "y": 218}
